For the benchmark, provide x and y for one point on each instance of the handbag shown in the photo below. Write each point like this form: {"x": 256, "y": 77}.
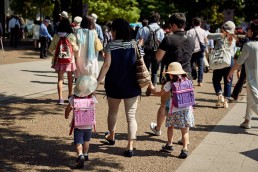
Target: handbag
{"x": 220, "y": 58}
{"x": 202, "y": 45}
{"x": 97, "y": 43}
{"x": 142, "y": 73}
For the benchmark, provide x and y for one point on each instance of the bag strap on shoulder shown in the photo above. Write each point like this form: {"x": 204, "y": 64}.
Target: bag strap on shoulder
{"x": 197, "y": 36}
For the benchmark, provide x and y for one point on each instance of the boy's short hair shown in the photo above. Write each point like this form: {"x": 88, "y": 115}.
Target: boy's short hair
{"x": 196, "y": 21}
{"x": 177, "y": 19}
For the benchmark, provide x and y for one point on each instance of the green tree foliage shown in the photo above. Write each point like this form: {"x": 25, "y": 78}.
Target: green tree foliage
{"x": 111, "y": 9}
{"x": 29, "y": 8}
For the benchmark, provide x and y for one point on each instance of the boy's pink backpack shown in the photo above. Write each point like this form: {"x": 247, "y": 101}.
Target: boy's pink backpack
{"x": 183, "y": 93}
{"x": 84, "y": 111}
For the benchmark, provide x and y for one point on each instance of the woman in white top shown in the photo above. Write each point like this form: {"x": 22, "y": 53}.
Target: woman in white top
{"x": 87, "y": 60}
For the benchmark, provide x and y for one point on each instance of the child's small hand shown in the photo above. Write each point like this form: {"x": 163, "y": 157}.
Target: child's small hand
{"x": 94, "y": 128}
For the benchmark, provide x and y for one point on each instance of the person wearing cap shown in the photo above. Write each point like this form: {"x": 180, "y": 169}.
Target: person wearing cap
{"x": 197, "y": 57}
{"x": 248, "y": 57}
{"x": 224, "y": 39}
{"x": 84, "y": 88}
{"x": 98, "y": 27}
{"x": 43, "y": 37}
{"x": 77, "y": 24}
{"x": 182, "y": 117}
{"x": 64, "y": 14}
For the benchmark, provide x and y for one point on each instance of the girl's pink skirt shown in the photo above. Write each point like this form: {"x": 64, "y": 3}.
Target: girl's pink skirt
{"x": 64, "y": 67}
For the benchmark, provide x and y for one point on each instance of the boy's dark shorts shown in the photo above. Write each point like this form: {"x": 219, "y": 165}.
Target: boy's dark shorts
{"x": 82, "y": 135}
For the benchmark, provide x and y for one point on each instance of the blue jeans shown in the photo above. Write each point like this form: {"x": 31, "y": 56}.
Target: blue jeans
{"x": 218, "y": 74}
{"x": 197, "y": 58}
{"x": 82, "y": 135}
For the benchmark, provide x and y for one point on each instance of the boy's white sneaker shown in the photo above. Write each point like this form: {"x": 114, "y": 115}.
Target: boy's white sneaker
{"x": 153, "y": 129}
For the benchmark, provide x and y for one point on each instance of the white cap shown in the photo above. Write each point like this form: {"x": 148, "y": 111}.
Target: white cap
{"x": 64, "y": 14}
{"x": 77, "y": 19}
{"x": 95, "y": 17}
{"x": 229, "y": 26}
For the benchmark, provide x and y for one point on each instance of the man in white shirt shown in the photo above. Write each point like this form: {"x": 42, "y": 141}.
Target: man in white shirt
{"x": 13, "y": 28}
{"x": 200, "y": 37}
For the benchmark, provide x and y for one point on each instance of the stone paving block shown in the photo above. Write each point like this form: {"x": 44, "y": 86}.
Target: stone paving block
{"x": 200, "y": 162}
{"x": 208, "y": 149}
{"x": 216, "y": 138}
{"x": 228, "y": 160}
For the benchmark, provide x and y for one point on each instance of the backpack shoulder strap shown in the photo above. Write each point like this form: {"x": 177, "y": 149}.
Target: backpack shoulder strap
{"x": 149, "y": 28}
{"x": 157, "y": 30}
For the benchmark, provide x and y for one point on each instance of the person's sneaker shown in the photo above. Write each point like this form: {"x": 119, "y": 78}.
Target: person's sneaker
{"x": 183, "y": 154}
{"x": 167, "y": 148}
{"x": 80, "y": 162}
{"x": 245, "y": 125}
{"x": 86, "y": 157}
{"x": 128, "y": 153}
{"x": 181, "y": 142}
{"x": 60, "y": 101}
{"x": 153, "y": 129}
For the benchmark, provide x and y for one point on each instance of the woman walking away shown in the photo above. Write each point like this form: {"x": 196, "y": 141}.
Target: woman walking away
{"x": 181, "y": 117}
{"x": 249, "y": 57}
{"x": 120, "y": 82}
{"x": 87, "y": 60}
{"x": 224, "y": 39}
{"x": 64, "y": 47}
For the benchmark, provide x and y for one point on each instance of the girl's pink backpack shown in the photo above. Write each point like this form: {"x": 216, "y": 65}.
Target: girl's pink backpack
{"x": 84, "y": 111}
{"x": 183, "y": 93}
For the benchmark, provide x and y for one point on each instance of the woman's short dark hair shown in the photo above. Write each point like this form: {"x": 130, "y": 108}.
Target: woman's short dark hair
{"x": 122, "y": 29}
{"x": 64, "y": 26}
{"x": 177, "y": 19}
{"x": 88, "y": 22}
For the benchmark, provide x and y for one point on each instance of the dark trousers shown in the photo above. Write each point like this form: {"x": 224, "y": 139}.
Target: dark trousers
{"x": 218, "y": 74}
{"x": 150, "y": 61}
{"x": 197, "y": 59}
{"x": 14, "y": 37}
{"x": 239, "y": 85}
{"x": 44, "y": 46}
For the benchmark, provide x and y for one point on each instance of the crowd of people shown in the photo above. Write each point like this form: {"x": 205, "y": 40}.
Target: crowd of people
{"x": 184, "y": 55}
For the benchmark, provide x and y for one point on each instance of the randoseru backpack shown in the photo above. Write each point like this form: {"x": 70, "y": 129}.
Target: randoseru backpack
{"x": 84, "y": 111}
{"x": 152, "y": 43}
{"x": 183, "y": 93}
{"x": 64, "y": 51}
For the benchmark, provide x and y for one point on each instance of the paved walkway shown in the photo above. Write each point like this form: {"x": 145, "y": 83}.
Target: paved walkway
{"x": 227, "y": 148}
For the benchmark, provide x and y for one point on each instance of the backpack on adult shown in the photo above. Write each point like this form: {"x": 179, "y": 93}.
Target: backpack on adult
{"x": 183, "y": 93}
{"x": 64, "y": 51}
{"x": 152, "y": 43}
{"x": 84, "y": 111}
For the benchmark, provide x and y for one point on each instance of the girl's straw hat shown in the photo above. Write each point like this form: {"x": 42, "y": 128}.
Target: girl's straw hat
{"x": 175, "y": 68}
{"x": 85, "y": 85}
